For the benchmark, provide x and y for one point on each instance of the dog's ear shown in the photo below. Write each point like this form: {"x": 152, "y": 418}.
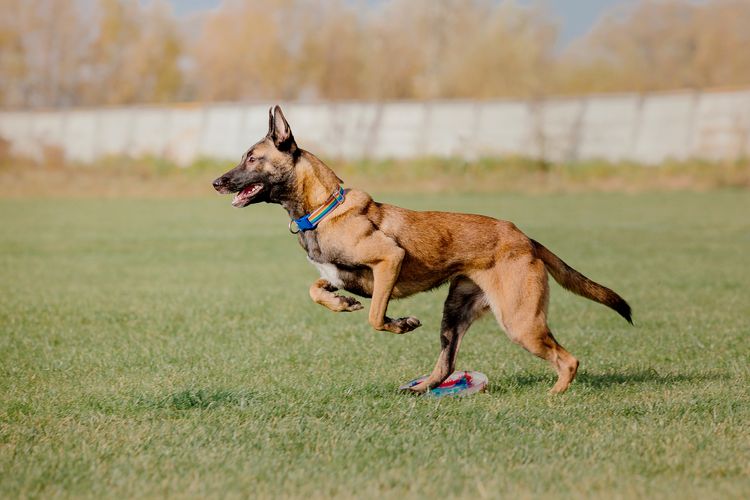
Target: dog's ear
{"x": 279, "y": 131}
{"x": 269, "y": 134}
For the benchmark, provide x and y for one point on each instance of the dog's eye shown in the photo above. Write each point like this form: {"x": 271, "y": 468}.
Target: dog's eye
{"x": 251, "y": 159}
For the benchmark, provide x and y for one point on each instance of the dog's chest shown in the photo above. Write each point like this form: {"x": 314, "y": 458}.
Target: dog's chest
{"x": 315, "y": 255}
{"x": 309, "y": 242}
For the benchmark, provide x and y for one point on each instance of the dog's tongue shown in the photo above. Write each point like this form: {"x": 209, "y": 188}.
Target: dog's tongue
{"x": 241, "y": 198}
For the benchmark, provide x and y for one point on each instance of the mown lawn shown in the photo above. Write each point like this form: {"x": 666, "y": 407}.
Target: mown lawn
{"x": 169, "y": 347}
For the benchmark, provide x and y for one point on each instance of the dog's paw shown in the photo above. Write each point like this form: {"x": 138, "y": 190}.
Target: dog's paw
{"x": 348, "y": 304}
{"x": 401, "y": 325}
{"x": 420, "y": 388}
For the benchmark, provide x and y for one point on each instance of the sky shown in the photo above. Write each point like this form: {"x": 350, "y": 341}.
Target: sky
{"x": 577, "y": 16}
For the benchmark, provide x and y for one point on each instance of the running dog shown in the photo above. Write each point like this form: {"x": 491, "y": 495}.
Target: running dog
{"x": 381, "y": 251}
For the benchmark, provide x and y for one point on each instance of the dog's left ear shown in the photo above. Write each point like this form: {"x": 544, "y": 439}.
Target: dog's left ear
{"x": 279, "y": 131}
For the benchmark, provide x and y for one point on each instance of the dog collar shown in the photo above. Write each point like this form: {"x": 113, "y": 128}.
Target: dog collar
{"x": 311, "y": 220}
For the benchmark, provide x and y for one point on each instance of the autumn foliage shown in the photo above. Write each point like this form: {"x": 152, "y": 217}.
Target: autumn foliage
{"x": 91, "y": 52}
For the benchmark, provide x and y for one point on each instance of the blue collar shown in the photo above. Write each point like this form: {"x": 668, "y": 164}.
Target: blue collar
{"x": 311, "y": 220}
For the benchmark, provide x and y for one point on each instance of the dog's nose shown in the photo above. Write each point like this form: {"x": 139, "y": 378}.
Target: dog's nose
{"x": 218, "y": 183}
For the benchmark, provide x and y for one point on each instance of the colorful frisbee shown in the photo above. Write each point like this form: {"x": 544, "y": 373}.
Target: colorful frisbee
{"x": 461, "y": 383}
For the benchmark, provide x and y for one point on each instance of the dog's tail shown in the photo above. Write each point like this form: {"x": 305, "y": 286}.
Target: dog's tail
{"x": 572, "y": 280}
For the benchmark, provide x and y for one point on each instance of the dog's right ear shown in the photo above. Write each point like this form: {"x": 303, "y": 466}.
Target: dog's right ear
{"x": 279, "y": 131}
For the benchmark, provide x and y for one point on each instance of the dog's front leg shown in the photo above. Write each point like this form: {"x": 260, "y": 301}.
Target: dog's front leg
{"x": 385, "y": 272}
{"x": 322, "y": 292}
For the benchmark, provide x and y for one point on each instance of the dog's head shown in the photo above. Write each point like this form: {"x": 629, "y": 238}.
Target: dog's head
{"x": 266, "y": 171}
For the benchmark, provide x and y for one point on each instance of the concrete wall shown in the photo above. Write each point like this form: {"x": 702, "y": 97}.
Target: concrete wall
{"x": 644, "y": 128}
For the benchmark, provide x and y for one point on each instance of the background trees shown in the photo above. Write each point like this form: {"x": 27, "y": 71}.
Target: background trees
{"x": 661, "y": 45}
{"x": 91, "y": 52}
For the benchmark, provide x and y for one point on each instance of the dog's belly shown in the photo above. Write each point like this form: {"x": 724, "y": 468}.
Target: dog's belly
{"x": 328, "y": 272}
{"x": 356, "y": 280}
{"x": 359, "y": 280}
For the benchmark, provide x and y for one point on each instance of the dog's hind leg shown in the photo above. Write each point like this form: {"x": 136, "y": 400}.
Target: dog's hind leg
{"x": 518, "y": 293}
{"x": 465, "y": 303}
{"x": 322, "y": 292}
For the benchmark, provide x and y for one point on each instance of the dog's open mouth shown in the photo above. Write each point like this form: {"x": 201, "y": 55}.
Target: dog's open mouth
{"x": 244, "y": 197}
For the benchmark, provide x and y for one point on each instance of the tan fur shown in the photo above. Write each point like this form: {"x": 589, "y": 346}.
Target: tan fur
{"x": 409, "y": 252}
{"x": 382, "y": 251}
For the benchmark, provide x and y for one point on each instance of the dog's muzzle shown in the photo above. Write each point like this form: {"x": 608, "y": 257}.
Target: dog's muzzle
{"x": 220, "y": 185}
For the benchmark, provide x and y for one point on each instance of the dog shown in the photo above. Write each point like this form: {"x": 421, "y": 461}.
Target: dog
{"x": 385, "y": 252}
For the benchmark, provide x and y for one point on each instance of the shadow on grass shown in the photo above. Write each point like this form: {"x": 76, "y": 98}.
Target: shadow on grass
{"x": 199, "y": 399}
{"x": 604, "y": 380}
{"x": 388, "y": 389}
{"x": 205, "y": 399}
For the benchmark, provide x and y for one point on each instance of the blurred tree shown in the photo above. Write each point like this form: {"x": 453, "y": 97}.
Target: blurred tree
{"x": 722, "y": 49}
{"x": 457, "y": 49}
{"x": 79, "y": 52}
{"x": 42, "y": 50}
{"x": 242, "y": 53}
{"x": 13, "y": 67}
{"x": 111, "y": 80}
{"x": 332, "y": 56}
{"x": 135, "y": 54}
{"x": 87, "y": 52}
{"x": 403, "y": 49}
{"x": 396, "y": 51}
{"x": 655, "y": 45}
{"x": 497, "y": 51}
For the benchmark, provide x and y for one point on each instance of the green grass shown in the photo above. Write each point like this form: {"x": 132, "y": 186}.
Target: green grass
{"x": 169, "y": 347}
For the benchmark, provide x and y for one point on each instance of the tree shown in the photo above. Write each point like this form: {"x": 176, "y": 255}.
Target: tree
{"x": 135, "y": 54}
{"x": 89, "y": 52}
{"x": 332, "y": 57}
{"x": 654, "y": 45}
{"x": 42, "y": 49}
{"x": 240, "y": 52}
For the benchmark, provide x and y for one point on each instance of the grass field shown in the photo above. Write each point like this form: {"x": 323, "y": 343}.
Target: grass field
{"x": 169, "y": 347}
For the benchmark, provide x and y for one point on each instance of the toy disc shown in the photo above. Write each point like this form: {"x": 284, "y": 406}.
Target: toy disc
{"x": 460, "y": 383}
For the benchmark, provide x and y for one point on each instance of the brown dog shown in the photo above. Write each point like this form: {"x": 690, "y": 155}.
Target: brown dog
{"x": 382, "y": 251}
